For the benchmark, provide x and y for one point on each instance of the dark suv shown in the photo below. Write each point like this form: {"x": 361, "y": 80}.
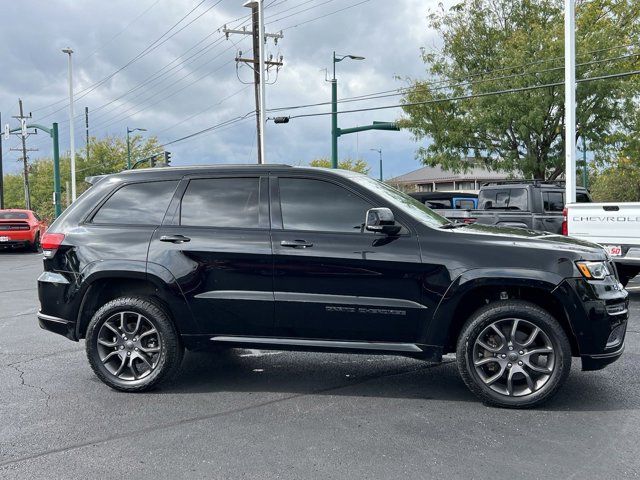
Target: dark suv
{"x": 147, "y": 263}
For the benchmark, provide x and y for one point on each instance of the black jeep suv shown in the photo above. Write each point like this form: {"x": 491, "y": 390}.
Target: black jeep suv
{"x": 149, "y": 262}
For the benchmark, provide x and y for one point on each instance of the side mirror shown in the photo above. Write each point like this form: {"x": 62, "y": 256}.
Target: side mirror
{"x": 381, "y": 220}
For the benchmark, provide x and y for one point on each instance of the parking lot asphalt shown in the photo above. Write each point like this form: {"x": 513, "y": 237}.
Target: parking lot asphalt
{"x": 256, "y": 414}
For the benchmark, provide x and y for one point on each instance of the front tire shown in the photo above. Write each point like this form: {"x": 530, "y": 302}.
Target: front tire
{"x": 132, "y": 344}
{"x": 513, "y": 354}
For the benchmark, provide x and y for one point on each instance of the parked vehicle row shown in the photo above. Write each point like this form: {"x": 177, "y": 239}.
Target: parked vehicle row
{"x": 21, "y": 229}
{"x": 146, "y": 263}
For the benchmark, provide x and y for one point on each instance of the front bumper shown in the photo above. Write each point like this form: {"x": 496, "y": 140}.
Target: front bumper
{"x": 598, "y": 312}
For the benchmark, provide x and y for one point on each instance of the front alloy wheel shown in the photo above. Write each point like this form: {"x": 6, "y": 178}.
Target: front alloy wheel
{"x": 513, "y": 357}
{"x": 513, "y": 354}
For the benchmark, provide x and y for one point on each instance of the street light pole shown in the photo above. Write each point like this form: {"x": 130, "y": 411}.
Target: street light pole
{"x": 72, "y": 143}
{"x": 379, "y": 150}
{"x": 570, "y": 99}
{"x": 129, "y": 131}
{"x": 334, "y": 108}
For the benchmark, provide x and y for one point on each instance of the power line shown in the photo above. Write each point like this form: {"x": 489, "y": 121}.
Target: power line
{"x": 151, "y": 47}
{"x": 211, "y": 128}
{"x": 326, "y": 15}
{"x": 111, "y": 121}
{"x": 108, "y": 42}
{"x": 470, "y": 96}
{"x": 429, "y": 87}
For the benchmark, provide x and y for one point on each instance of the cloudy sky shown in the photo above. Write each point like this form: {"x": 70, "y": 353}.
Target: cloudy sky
{"x": 131, "y": 68}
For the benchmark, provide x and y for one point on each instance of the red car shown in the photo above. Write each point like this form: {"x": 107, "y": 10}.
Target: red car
{"x": 21, "y": 228}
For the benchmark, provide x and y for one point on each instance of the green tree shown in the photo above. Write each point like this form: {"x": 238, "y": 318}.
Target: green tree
{"x": 107, "y": 155}
{"x": 493, "y": 45}
{"x": 617, "y": 183}
{"x": 355, "y": 165}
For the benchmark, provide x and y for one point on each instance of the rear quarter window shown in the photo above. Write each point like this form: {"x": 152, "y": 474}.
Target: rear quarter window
{"x": 137, "y": 204}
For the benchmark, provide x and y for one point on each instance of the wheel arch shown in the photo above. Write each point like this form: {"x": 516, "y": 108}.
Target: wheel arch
{"x": 473, "y": 290}
{"x": 105, "y": 286}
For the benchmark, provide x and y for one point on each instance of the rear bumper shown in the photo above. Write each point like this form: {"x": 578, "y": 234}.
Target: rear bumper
{"x": 57, "y": 325}
{"x": 18, "y": 236}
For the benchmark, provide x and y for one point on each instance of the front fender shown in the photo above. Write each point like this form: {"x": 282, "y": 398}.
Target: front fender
{"x": 481, "y": 278}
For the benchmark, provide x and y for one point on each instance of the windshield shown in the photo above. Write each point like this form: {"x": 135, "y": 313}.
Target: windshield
{"x": 404, "y": 202}
{"x": 13, "y": 216}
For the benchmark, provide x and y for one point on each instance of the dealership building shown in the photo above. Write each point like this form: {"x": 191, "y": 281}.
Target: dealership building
{"x": 432, "y": 179}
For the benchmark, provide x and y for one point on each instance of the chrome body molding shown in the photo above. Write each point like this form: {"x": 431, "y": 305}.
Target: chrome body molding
{"x": 51, "y": 318}
{"x": 310, "y": 298}
{"x": 396, "y": 347}
{"x": 52, "y": 277}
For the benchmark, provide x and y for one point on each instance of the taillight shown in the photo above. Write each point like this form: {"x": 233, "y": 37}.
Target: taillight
{"x": 469, "y": 221}
{"x": 565, "y": 223}
{"x": 50, "y": 243}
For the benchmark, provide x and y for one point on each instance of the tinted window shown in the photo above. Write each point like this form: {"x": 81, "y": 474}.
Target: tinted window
{"x": 582, "y": 198}
{"x": 221, "y": 202}
{"x": 13, "y": 216}
{"x": 510, "y": 198}
{"x": 465, "y": 204}
{"x": 553, "y": 201}
{"x": 438, "y": 203}
{"x": 320, "y": 206}
{"x": 137, "y": 204}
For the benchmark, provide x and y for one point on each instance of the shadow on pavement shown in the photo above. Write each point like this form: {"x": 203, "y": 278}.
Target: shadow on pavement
{"x": 384, "y": 377}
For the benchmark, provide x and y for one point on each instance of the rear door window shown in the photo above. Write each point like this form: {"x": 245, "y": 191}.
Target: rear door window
{"x": 137, "y": 204}
{"x": 221, "y": 202}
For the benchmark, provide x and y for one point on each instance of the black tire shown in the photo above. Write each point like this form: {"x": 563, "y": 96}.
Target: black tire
{"x": 166, "y": 340}
{"x": 531, "y": 316}
{"x": 35, "y": 246}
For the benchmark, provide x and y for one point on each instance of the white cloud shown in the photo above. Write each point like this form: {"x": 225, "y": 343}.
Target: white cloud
{"x": 388, "y": 33}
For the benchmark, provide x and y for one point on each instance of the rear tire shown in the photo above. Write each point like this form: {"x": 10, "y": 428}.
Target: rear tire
{"x": 132, "y": 344}
{"x": 35, "y": 246}
{"x": 513, "y": 367}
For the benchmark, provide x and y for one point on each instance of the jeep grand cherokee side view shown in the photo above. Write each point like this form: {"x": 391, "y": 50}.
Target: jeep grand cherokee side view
{"x": 147, "y": 263}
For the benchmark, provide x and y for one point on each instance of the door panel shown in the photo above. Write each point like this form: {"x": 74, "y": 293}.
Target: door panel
{"x": 346, "y": 284}
{"x": 226, "y": 271}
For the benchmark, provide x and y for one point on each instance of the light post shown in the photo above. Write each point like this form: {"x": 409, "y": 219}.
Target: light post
{"x": 334, "y": 107}
{"x": 72, "y": 142}
{"x": 130, "y": 131}
{"x": 379, "y": 150}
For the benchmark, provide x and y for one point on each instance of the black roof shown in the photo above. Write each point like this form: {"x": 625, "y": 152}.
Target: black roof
{"x": 153, "y": 173}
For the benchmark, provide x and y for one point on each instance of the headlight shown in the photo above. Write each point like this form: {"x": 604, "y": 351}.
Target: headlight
{"x": 593, "y": 270}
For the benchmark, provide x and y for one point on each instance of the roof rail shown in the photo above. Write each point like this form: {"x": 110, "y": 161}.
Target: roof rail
{"x": 537, "y": 183}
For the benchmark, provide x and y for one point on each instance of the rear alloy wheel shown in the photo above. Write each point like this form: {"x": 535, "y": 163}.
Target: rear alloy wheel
{"x": 132, "y": 344}
{"x": 513, "y": 354}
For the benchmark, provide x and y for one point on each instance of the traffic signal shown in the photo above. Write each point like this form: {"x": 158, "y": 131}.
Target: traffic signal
{"x": 167, "y": 158}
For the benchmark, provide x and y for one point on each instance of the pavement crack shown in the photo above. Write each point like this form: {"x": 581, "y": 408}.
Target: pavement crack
{"x": 210, "y": 416}
{"x": 24, "y": 383}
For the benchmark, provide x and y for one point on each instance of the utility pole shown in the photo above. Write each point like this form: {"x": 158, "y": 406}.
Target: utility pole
{"x": 72, "y": 140}
{"x": 570, "y": 99}
{"x": 86, "y": 126}
{"x": 23, "y": 133}
{"x": 259, "y": 64}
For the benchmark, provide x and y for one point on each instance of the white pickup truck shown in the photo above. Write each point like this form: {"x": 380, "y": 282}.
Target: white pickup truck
{"x": 615, "y": 226}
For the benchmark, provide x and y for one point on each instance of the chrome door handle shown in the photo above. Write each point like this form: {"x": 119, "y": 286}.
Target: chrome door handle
{"x": 174, "y": 239}
{"x": 296, "y": 244}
